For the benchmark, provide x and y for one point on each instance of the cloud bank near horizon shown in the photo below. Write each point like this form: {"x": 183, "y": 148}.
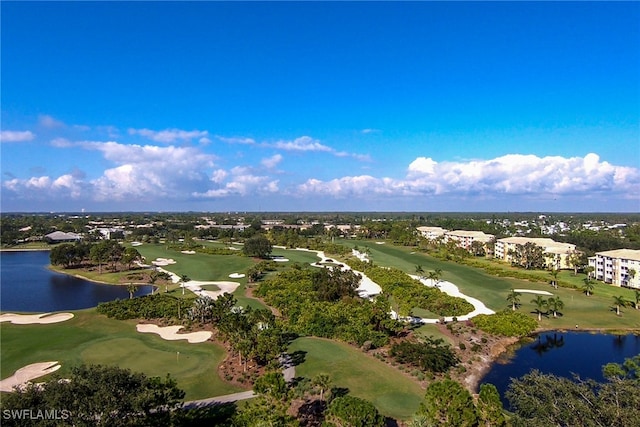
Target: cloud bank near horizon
{"x": 180, "y": 172}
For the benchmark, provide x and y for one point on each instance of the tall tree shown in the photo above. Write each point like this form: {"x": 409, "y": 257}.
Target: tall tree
{"x": 489, "y": 407}
{"x": 322, "y": 381}
{"x": 540, "y": 304}
{"x": 588, "y": 285}
{"x": 257, "y": 246}
{"x": 619, "y": 301}
{"x": 555, "y": 304}
{"x": 514, "y": 299}
{"x": 447, "y": 403}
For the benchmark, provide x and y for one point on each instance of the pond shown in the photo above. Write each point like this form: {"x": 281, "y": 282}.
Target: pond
{"x": 563, "y": 354}
{"x": 27, "y": 285}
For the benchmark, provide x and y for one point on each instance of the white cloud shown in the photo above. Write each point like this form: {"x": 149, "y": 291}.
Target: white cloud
{"x": 370, "y": 130}
{"x": 241, "y": 183}
{"x": 512, "y": 174}
{"x": 272, "y": 162}
{"x": 304, "y": 143}
{"x": 170, "y": 136}
{"x": 48, "y": 121}
{"x": 139, "y": 172}
{"x": 16, "y": 135}
{"x": 234, "y": 140}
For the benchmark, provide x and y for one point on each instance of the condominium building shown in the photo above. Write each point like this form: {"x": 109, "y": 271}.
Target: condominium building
{"x": 620, "y": 267}
{"x": 556, "y": 253}
{"x": 431, "y": 232}
{"x": 464, "y": 238}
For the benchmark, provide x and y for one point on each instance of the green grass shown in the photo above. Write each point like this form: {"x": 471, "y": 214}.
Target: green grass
{"x": 394, "y": 394}
{"x": 594, "y": 312}
{"x": 93, "y": 338}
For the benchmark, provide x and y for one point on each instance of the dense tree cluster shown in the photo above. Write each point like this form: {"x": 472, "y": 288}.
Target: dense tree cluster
{"x": 96, "y": 395}
{"x": 257, "y": 246}
{"x": 110, "y": 252}
{"x": 409, "y": 293}
{"x": 507, "y": 323}
{"x": 431, "y": 355}
{"x": 447, "y": 403}
{"x": 352, "y": 411}
{"x": 543, "y": 399}
{"x": 323, "y": 304}
{"x": 157, "y": 306}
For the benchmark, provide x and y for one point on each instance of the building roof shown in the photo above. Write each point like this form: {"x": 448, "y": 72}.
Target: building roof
{"x": 631, "y": 254}
{"x": 549, "y": 245}
{"x": 59, "y": 235}
{"x": 466, "y": 233}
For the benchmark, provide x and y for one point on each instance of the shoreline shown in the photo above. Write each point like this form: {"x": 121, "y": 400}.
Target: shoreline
{"x": 507, "y": 344}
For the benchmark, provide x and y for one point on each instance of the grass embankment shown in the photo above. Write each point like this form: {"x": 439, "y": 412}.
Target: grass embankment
{"x": 395, "y": 395}
{"x": 93, "y": 338}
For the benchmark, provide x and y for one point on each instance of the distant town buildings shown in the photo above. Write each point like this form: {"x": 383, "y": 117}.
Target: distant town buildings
{"x": 60, "y": 237}
{"x": 556, "y": 253}
{"x": 620, "y": 267}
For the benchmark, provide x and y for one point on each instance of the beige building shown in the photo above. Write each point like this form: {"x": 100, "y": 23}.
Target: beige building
{"x": 431, "y": 232}
{"x": 556, "y": 253}
{"x": 620, "y": 267}
{"x": 464, "y": 238}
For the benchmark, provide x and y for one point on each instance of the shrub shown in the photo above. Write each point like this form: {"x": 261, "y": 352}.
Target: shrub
{"x": 507, "y": 323}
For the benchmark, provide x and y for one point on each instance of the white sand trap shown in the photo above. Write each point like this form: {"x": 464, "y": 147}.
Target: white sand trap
{"x": 170, "y": 333}
{"x": 281, "y": 259}
{"x": 136, "y": 243}
{"x": 28, "y": 319}
{"x": 532, "y": 291}
{"x": 236, "y": 275}
{"x": 188, "y": 252}
{"x": 163, "y": 261}
{"x": 195, "y": 286}
{"x": 380, "y": 243}
{"x": 25, "y": 374}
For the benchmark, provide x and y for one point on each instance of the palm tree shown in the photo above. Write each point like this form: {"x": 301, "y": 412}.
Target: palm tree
{"x": 588, "y": 285}
{"x": 555, "y": 304}
{"x": 183, "y": 279}
{"x": 514, "y": 299}
{"x": 631, "y": 273}
{"x": 322, "y": 381}
{"x": 637, "y": 295}
{"x": 132, "y": 289}
{"x": 540, "y": 303}
{"x": 420, "y": 271}
{"x": 619, "y": 301}
{"x": 554, "y": 278}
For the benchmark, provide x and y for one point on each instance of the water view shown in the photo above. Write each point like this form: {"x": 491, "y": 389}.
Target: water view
{"x": 563, "y": 354}
{"x": 27, "y": 285}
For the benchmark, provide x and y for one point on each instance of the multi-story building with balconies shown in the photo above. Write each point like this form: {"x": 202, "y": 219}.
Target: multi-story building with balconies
{"x": 620, "y": 267}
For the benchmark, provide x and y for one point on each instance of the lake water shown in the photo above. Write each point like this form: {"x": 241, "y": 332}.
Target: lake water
{"x": 562, "y": 354}
{"x": 27, "y": 285}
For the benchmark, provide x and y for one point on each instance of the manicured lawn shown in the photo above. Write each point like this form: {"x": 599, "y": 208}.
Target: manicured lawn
{"x": 587, "y": 312}
{"x": 93, "y": 338}
{"x": 394, "y": 394}
{"x": 197, "y": 266}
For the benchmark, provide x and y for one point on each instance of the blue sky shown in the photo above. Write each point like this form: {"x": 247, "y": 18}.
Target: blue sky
{"x": 315, "y": 106}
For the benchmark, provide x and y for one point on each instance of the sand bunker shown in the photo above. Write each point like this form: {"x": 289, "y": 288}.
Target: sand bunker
{"x": 25, "y": 374}
{"x": 531, "y": 291}
{"x": 195, "y": 286}
{"x": 163, "y": 261}
{"x": 188, "y": 252}
{"x": 281, "y": 259}
{"x": 170, "y": 333}
{"x": 28, "y": 319}
{"x": 136, "y": 243}
{"x": 236, "y": 275}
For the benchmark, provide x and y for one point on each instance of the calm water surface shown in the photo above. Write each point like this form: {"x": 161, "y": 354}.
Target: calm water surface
{"x": 27, "y": 285}
{"x": 563, "y": 354}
